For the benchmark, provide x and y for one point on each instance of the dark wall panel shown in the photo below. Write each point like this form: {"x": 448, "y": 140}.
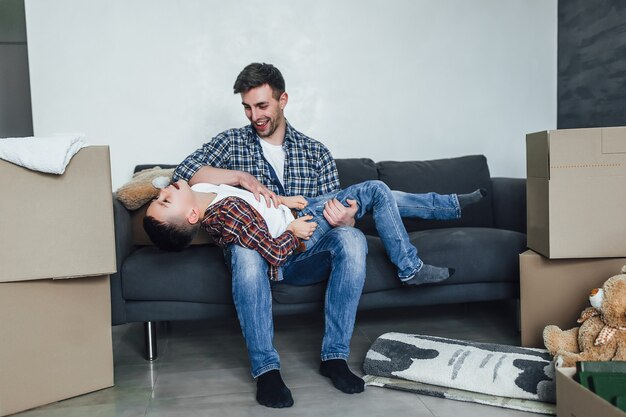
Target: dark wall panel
{"x": 15, "y": 105}
{"x": 591, "y": 63}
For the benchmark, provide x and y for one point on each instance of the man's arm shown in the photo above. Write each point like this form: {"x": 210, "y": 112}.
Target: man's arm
{"x": 207, "y": 165}
{"x": 214, "y": 175}
{"x": 215, "y": 153}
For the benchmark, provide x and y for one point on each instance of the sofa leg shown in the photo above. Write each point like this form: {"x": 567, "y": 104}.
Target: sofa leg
{"x": 150, "y": 340}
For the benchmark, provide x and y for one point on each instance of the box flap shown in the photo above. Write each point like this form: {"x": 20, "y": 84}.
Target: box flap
{"x": 538, "y": 215}
{"x": 572, "y": 399}
{"x": 614, "y": 140}
{"x": 538, "y": 155}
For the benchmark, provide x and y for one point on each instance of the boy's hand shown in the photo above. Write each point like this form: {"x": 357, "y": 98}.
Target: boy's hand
{"x": 336, "y": 214}
{"x": 302, "y": 227}
{"x": 296, "y": 202}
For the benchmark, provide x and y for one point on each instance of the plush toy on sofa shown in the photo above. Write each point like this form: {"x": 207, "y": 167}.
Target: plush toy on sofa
{"x": 143, "y": 187}
{"x": 602, "y": 333}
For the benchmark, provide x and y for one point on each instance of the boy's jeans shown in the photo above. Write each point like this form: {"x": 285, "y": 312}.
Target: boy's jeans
{"x": 337, "y": 254}
{"x": 388, "y": 207}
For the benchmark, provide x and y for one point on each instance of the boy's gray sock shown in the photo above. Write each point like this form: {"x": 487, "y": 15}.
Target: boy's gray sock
{"x": 429, "y": 274}
{"x": 471, "y": 198}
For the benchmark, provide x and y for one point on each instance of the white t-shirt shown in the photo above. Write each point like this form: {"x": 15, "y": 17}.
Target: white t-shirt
{"x": 277, "y": 218}
{"x": 275, "y": 155}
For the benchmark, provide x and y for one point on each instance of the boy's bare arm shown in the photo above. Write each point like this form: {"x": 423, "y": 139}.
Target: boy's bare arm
{"x": 295, "y": 202}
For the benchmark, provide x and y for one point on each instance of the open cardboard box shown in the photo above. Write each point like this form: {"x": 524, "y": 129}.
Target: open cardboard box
{"x": 57, "y": 251}
{"x": 574, "y": 400}
{"x": 576, "y": 192}
{"x": 57, "y": 225}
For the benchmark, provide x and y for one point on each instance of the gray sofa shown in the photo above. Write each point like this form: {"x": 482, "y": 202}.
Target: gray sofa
{"x": 152, "y": 285}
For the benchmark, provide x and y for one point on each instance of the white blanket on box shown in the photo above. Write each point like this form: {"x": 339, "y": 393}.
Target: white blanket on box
{"x": 45, "y": 154}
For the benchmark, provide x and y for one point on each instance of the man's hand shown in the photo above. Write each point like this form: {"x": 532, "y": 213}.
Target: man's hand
{"x": 250, "y": 183}
{"x": 296, "y": 202}
{"x": 336, "y": 214}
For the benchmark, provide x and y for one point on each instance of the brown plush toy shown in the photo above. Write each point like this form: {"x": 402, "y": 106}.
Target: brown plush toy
{"x": 143, "y": 187}
{"x": 602, "y": 333}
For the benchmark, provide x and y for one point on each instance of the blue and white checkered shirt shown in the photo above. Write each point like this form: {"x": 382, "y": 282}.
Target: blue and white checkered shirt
{"x": 310, "y": 169}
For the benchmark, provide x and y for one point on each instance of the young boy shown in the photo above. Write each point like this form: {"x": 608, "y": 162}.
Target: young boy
{"x": 233, "y": 215}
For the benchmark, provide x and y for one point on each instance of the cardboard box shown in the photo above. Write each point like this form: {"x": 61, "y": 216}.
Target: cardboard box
{"x": 55, "y": 333}
{"x": 576, "y": 192}
{"x": 56, "y": 340}
{"x": 57, "y": 225}
{"x": 556, "y": 291}
{"x": 574, "y": 400}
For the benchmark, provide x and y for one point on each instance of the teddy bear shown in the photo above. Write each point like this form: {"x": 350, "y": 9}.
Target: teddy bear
{"x": 143, "y": 187}
{"x": 602, "y": 332}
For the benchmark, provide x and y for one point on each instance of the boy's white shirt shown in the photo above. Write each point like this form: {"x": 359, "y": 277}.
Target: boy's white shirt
{"x": 277, "y": 218}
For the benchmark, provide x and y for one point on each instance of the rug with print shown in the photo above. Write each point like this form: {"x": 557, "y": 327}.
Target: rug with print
{"x": 502, "y": 375}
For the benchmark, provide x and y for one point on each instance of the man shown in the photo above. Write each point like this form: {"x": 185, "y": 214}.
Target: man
{"x": 269, "y": 157}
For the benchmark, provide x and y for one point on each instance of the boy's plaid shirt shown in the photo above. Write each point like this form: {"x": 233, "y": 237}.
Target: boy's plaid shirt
{"x": 233, "y": 220}
{"x": 310, "y": 169}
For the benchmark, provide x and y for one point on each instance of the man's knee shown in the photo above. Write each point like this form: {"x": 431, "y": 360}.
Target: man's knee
{"x": 247, "y": 265}
{"x": 349, "y": 256}
{"x": 351, "y": 243}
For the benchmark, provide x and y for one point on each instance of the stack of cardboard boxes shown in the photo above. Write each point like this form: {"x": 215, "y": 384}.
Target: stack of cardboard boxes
{"x": 57, "y": 249}
{"x": 576, "y": 199}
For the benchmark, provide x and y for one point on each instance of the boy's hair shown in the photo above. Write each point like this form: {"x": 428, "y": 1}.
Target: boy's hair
{"x": 255, "y": 75}
{"x": 169, "y": 236}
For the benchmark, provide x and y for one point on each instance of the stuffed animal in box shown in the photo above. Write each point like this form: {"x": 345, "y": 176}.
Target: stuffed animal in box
{"x": 143, "y": 187}
{"x": 602, "y": 332}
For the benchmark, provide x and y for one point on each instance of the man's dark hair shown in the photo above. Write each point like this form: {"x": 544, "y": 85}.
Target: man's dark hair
{"x": 255, "y": 75}
{"x": 168, "y": 236}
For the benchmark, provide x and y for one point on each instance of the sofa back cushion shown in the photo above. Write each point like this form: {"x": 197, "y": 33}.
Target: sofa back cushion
{"x": 454, "y": 175}
{"x": 444, "y": 176}
{"x": 355, "y": 170}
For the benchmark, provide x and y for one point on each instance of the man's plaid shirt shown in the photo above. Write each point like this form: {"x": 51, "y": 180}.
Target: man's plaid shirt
{"x": 233, "y": 220}
{"x": 310, "y": 169}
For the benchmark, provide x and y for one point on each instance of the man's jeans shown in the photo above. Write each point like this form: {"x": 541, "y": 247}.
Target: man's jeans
{"x": 388, "y": 207}
{"x": 338, "y": 256}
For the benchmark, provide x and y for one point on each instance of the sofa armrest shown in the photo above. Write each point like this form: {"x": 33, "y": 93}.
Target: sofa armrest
{"x": 509, "y": 203}
{"x": 123, "y": 247}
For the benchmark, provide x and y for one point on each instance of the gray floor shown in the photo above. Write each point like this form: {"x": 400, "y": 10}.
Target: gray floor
{"x": 202, "y": 368}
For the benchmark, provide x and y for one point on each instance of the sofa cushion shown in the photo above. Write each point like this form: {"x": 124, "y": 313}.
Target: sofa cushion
{"x": 479, "y": 255}
{"x": 196, "y": 274}
{"x": 444, "y": 176}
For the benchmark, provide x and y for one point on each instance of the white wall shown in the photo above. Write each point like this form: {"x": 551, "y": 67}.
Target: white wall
{"x": 384, "y": 79}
